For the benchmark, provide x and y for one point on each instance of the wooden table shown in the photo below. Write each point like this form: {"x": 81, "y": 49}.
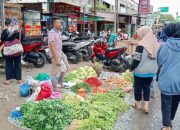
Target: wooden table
{"x": 131, "y": 46}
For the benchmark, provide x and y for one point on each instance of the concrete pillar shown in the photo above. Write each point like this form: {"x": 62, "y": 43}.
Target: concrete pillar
{"x": 2, "y": 13}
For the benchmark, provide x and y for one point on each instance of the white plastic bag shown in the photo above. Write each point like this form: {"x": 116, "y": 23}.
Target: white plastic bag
{"x": 32, "y": 81}
{"x": 32, "y": 98}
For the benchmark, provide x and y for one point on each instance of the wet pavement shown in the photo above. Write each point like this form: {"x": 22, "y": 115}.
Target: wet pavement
{"x": 137, "y": 120}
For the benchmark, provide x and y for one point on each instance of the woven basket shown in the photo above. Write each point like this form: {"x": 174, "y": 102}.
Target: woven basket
{"x": 98, "y": 70}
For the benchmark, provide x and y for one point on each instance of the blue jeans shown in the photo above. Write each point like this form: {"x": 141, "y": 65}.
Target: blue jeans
{"x": 169, "y": 105}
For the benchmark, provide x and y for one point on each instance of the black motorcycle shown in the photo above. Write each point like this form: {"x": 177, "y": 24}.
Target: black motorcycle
{"x": 82, "y": 44}
{"x": 72, "y": 51}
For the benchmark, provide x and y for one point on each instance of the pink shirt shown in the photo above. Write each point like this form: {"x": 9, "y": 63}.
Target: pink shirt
{"x": 54, "y": 37}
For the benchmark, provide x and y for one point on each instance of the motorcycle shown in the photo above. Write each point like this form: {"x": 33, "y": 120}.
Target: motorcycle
{"x": 31, "y": 53}
{"x": 71, "y": 50}
{"x": 113, "y": 58}
{"x": 44, "y": 49}
{"x": 83, "y": 46}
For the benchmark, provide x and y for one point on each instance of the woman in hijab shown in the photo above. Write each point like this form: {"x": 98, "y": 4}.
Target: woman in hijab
{"x": 169, "y": 81}
{"x": 13, "y": 64}
{"x": 144, "y": 66}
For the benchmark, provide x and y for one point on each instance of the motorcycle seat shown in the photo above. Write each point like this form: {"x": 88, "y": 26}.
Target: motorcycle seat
{"x": 68, "y": 44}
{"x": 29, "y": 42}
{"x": 115, "y": 49}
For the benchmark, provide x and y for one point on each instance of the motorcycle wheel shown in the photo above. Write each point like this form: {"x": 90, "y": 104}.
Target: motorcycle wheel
{"x": 124, "y": 65}
{"x": 46, "y": 57}
{"x": 73, "y": 58}
{"x": 39, "y": 62}
{"x": 86, "y": 55}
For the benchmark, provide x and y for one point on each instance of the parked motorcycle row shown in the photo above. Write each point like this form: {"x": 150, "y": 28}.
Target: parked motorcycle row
{"x": 76, "y": 48}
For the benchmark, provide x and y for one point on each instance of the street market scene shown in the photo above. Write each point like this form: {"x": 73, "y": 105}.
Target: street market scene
{"x": 89, "y": 65}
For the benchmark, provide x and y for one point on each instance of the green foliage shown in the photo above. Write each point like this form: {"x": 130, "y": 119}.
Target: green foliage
{"x": 101, "y": 7}
{"x": 80, "y": 74}
{"x": 166, "y": 17}
{"x": 104, "y": 109}
{"x": 79, "y": 107}
{"x": 84, "y": 85}
{"x": 46, "y": 115}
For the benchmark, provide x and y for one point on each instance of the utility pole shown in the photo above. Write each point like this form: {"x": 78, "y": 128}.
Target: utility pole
{"x": 95, "y": 22}
{"x": 94, "y": 7}
{"x": 2, "y": 13}
{"x": 84, "y": 20}
{"x": 116, "y": 22}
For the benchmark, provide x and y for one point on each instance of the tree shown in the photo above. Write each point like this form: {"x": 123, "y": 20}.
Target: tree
{"x": 166, "y": 17}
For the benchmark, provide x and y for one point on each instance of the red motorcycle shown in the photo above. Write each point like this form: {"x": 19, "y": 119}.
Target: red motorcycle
{"x": 113, "y": 58}
{"x": 44, "y": 49}
{"x": 32, "y": 54}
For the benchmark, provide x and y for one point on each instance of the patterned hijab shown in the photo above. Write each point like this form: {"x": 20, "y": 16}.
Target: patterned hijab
{"x": 14, "y": 26}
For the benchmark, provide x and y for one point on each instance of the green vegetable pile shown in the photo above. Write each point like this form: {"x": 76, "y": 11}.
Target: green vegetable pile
{"x": 129, "y": 76}
{"x": 46, "y": 115}
{"x": 84, "y": 85}
{"x": 79, "y": 108}
{"x": 104, "y": 109}
{"x": 98, "y": 112}
{"x": 80, "y": 74}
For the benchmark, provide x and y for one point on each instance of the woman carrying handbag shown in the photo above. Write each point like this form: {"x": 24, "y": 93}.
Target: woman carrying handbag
{"x": 11, "y": 38}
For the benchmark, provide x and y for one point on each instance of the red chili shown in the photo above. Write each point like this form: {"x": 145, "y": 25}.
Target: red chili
{"x": 93, "y": 82}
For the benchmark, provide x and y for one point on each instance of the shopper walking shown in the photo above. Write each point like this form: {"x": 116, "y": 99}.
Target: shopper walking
{"x": 169, "y": 81}
{"x": 13, "y": 64}
{"x": 59, "y": 59}
{"x": 144, "y": 66}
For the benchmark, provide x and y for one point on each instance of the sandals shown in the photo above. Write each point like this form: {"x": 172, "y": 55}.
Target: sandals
{"x": 146, "y": 107}
{"x": 136, "y": 106}
{"x": 146, "y": 111}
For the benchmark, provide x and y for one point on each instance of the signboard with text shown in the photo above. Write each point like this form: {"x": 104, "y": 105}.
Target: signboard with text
{"x": 144, "y": 6}
{"x": 64, "y": 8}
{"x": 164, "y": 9}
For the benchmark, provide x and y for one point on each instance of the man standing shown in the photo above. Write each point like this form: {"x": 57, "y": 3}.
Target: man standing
{"x": 59, "y": 59}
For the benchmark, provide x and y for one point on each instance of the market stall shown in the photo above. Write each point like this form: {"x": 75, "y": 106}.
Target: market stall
{"x": 32, "y": 23}
{"x": 88, "y": 103}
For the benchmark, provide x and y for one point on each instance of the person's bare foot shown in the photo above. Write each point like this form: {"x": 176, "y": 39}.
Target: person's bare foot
{"x": 19, "y": 81}
{"x": 60, "y": 85}
{"x": 137, "y": 105}
{"x": 7, "y": 82}
{"x": 56, "y": 89}
{"x": 166, "y": 128}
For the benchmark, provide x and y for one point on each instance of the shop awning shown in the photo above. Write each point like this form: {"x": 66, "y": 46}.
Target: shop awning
{"x": 87, "y": 18}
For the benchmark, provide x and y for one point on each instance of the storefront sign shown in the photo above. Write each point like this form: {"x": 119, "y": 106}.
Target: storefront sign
{"x": 32, "y": 21}
{"x": 144, "y": 6}
{"x": 72, "y": 2}
{"x": 66, "y": 8}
